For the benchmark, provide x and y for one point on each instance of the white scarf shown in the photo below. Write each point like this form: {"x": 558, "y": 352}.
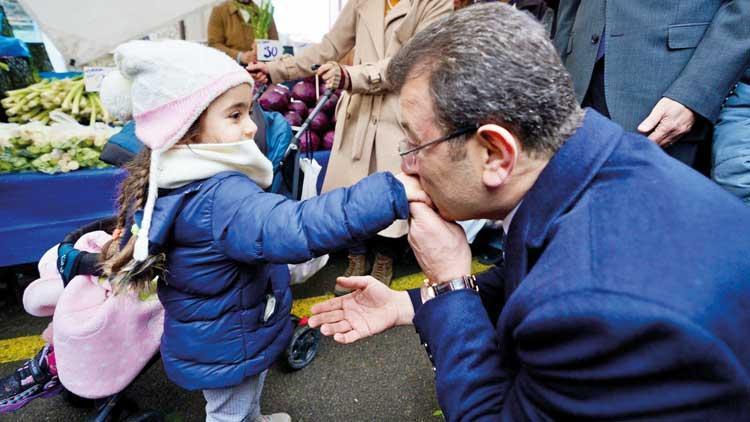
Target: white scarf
{"x": 183, "y": 164}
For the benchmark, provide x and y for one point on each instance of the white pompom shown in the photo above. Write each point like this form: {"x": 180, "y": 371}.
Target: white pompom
{"x": 116, "y": 95}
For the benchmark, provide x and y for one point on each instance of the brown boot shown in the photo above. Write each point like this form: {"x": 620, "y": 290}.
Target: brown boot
{"x": 357, "y": 267}
{"x": 382, "y": 269}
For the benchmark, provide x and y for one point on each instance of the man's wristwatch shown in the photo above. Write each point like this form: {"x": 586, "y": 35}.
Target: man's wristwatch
{"x": 430, "y": 290}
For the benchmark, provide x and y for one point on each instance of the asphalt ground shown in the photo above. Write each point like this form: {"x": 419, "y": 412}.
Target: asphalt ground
{"x": 385, "y": 378}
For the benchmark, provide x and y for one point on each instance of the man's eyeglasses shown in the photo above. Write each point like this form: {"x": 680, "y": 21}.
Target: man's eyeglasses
{"x": 408, "y": 150}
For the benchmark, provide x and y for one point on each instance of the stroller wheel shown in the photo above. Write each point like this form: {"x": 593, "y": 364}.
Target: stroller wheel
{"x": 302, "y": 348}
{"x": 115, "y": 408}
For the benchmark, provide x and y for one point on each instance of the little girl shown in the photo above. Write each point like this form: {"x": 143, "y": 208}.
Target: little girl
{"x": 201, "y": 221}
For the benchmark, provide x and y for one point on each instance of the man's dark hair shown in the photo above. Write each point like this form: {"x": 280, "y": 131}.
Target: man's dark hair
{"x": 490, "y": 63}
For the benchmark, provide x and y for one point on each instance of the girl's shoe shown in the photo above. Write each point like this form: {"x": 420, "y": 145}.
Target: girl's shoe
{"x": 36, "y": 378}
{"x": 276, "y": 417}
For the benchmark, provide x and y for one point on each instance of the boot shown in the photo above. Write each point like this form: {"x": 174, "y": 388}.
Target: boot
{"x": 382, "y": 269}
{"x": 357, "y": 267}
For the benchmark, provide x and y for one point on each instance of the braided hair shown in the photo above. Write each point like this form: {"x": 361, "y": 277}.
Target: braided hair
{"x": 117, "y": 261}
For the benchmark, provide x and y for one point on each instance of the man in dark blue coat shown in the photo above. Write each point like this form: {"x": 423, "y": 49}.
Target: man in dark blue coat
{"x": 626, "y": 285}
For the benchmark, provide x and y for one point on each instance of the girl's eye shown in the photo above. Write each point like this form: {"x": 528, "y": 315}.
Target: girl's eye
{"x": 235, "y": 115}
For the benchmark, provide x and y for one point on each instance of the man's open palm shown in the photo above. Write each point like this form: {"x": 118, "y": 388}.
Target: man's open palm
{"x": 371, "y": 309}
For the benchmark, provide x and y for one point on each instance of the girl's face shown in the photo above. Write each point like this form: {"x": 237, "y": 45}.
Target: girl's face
{"x": 227, "y": 119}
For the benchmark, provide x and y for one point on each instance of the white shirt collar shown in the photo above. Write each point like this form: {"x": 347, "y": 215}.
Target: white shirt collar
{"x": 507, "y": 220}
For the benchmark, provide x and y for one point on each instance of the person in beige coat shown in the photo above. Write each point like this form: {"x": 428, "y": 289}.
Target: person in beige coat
{"x": 367, "y": 127}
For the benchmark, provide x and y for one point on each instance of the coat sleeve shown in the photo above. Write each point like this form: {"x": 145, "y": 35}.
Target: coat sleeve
{"x": 216, "y": 34}
{"x": 578, "y": 354}
{"x": 491, "y": 284}
{"x": 370, "y": 78}
{"x": 253, "y": 225}
{"x": 717, "y": 63}
{"x": 335, "y": 44}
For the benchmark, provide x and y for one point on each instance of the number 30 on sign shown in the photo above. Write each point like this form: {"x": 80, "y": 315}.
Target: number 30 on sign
{"x": 269, "y": 50}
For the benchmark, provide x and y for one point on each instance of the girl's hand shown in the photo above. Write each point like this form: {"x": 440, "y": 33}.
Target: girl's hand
{"x": 413, "y": 188}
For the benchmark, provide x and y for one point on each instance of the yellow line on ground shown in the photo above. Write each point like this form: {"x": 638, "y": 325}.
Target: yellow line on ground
{"x": 21, "y": 348}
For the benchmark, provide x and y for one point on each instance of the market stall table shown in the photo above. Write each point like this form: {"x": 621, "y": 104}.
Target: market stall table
{"x": 39, "y": 209}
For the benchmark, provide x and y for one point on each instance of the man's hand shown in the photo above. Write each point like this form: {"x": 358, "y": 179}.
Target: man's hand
{"x": 259, "y": 72}
{"x": 440, "y": 246}
{"x": 332, "y": 74}
{"x": 247, "y": 56}
{"x": 371, "y": 309}
{"x": 668, "y": 122}
{"x": 413, "y": 188}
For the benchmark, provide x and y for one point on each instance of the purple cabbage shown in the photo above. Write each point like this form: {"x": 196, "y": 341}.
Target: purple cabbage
{"x": 305, "y": 91}
{"x": 274, "y": 99}
{"x": 330, "y": 106}
{"x": 299, "y": 107}
{"x": 320, "y": 123}
{"x": 310, "y": 141}
{"x": 328, "y": 140}
{"x": 293, "y": 118}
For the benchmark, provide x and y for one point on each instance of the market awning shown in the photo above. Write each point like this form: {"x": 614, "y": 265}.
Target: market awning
{"x": 84, "y": 30}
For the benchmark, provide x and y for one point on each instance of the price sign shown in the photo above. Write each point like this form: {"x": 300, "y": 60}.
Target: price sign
{"x": 269, "y": 50}
{"x": 93, "y": 76}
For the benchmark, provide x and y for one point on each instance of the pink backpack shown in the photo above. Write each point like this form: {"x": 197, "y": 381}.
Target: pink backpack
{"x": 102, "y": 340}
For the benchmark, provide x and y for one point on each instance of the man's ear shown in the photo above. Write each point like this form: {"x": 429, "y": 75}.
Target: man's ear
{"x": 502, "y": 151}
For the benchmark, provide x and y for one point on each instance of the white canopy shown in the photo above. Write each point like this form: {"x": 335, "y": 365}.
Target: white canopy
{"x": 84, "y": 30}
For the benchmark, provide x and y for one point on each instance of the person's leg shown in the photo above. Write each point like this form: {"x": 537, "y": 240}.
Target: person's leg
{"x": 731, "y": 147}
{"x": 232, "y": 404}
{"x": 240, "y": 403}
{"x": 386, "y": 249}
{"x": 357, "y": 266}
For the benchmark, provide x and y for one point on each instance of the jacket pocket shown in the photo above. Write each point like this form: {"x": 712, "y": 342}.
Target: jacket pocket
{"x": 687, "y": 35}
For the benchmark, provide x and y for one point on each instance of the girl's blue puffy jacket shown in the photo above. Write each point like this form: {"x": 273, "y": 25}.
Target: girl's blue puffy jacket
{"x": 227, "y": 244}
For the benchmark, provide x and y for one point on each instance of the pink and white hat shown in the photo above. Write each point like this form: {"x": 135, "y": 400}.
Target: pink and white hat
{"x": 165, "y": 86}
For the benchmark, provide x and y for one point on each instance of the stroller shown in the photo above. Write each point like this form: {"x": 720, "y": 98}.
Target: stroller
{"x": 72, "y": 262}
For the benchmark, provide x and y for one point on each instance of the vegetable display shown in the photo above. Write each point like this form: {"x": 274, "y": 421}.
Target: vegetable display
{"x": 296, "y": 107}
{"x": 262, "y": 19}
{"x": 59, "y": 148}
{"x": 35, "y": 102}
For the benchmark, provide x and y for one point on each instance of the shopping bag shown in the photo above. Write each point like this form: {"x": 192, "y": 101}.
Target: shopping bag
{"x": 302, "y": 272}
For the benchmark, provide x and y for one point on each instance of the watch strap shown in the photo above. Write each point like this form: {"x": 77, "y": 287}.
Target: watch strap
{"x": 431, "y": 290}
{"x": 463, "y": 282}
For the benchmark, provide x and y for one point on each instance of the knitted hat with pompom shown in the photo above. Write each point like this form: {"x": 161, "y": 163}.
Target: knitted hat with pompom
{"x": 165, "y": 86}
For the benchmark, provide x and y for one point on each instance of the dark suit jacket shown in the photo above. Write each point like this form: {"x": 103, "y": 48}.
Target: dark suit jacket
{"x": 625, "y": 295}
{"x": 692, "y": 51}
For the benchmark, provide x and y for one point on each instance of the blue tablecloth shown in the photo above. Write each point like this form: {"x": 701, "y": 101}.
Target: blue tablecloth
{"x": 38, "y": 210}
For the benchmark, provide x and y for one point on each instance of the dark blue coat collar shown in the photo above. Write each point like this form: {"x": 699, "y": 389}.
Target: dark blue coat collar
{"x": 169, "y": 205}
{"x": 558, "y": 188}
